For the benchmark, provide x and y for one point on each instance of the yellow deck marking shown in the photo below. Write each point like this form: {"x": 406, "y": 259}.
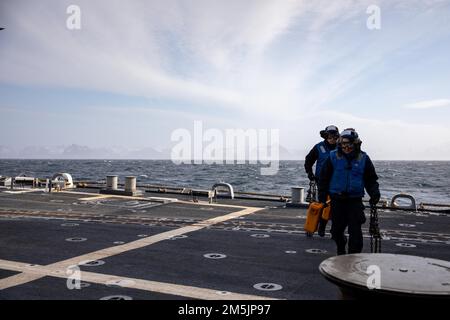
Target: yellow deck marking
{"x": 103, "y": 196}
{"x": 36, "y": 272}
{"x": 31, "y": 273}
{"x": 18, "y": 279}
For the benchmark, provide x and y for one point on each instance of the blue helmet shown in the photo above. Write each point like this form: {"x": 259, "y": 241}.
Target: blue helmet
{"x": 351, "y": 135}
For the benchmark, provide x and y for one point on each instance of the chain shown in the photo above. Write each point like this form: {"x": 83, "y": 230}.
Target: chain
{"x": 311, "y": 196}
{"x": 374, "y": 231}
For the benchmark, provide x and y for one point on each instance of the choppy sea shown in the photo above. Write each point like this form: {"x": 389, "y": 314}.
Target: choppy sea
{"x": 427, "y": 181}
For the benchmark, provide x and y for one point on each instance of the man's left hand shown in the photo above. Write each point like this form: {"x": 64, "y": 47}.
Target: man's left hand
{"x": 374, "y": 200}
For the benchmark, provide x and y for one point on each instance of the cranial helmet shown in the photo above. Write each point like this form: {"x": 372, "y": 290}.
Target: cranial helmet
{"x": 351, "y": 135}
{"x": 333, "y": 130}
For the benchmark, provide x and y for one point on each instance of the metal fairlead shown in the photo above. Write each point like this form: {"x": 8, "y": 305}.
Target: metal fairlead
{"x": 374, "y": 231}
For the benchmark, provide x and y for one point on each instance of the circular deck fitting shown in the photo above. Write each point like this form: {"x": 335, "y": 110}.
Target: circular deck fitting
{"x": 182, "y": 236}
{"x": 290, "y": 251}
{"x": 92, "y": 263}
{"x": 405, "y": 245}
{"x": 76, "y": 239}
{"x": 117, "y": 297}
{"x": 215, "y": 256}
{"x": 260, "y": 235}
{"x": 69, "y": 224}
{"x": 120, "y": 283}
{"x": 407, "y": 225}
{"x": 267, "y": 286}
{"x": 388, "y": 275}
{"x": 316, "y": 251}
{"x": 223, "y": 293}
{"x": 118, "y": 242}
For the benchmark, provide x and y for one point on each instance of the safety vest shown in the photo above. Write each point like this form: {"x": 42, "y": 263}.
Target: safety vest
{"x": 323, "y": 152}
{"x": 348, "y": 177}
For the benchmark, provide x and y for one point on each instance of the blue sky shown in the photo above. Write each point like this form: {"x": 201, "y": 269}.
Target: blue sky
{"x": 138, "y": 70}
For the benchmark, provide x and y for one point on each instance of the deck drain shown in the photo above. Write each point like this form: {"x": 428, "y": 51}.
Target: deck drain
{"x": 142, "y": 235}
{"x": 118, "y": 242}
{"x": 57, "y": 201}
{"x": 223, "y": 293}
{"x": 214, "y": 256}
{"x": 316, "y": 251}
{"x": 407, "y": 225}
{"x": 76, "y": 239}
{"x": 182, "y": 236}
{"x": 267, "y": 286}
{"x": 259, "y": 235}
{"x": 84, "y": 285}
{"x": 69, "y": 224}
{"x": 120, "y": 283}
{"x": 290, "y": 251}
{"x": 92, "y": 263}
{"x": 405, "y": 245}
{"x": 117, "y": 297}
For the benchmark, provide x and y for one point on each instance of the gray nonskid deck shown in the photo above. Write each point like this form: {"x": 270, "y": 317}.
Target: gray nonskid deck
{"x": 266, "y": 246}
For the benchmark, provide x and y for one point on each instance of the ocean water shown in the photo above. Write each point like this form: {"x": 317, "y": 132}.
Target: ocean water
{"x": 427, "y": 181}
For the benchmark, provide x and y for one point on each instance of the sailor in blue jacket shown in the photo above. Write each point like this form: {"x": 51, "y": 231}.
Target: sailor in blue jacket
{"x": 345, "y": 175}
{"x": 318, "y": 154}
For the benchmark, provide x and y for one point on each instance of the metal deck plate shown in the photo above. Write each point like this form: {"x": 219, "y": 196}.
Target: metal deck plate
{"x": 399, "y": 274}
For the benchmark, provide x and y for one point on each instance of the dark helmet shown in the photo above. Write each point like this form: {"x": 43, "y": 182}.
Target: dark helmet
{"x": 351, "y": 135}
{"x": 329, "y": 130}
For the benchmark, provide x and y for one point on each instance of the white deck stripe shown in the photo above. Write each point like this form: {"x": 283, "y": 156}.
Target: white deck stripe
{"x": 36, "y": 272}
{"x": 58, "y": 268}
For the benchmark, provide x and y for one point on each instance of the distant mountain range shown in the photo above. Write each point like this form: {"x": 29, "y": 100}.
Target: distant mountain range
{"x": 75, "y": 151}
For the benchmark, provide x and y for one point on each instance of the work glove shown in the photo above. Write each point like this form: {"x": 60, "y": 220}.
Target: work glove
{"x": 374, "y": 200}
{"x": 311, "y": 176}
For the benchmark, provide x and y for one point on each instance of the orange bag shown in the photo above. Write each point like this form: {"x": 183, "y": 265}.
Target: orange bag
{"x": 312, "y": 217}
{"x": 326, "y": 212}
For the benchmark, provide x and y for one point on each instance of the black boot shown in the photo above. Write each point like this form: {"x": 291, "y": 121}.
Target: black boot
{"x": 322, "y": 226}
{"x": 341, "y": 243}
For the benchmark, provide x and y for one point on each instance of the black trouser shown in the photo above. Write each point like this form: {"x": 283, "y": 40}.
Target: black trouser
{"x": 349, "y": 213}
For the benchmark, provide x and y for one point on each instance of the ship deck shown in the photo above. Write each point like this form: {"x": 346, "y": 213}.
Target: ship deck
{"x": 174, "y": 248}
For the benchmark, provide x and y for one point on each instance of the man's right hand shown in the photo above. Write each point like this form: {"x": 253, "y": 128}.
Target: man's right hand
{"x": 311, "y": 176}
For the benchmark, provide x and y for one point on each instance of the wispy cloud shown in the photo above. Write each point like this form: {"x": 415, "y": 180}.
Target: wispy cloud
{"x": 429, "y": 104}
{"x": 261, "y": 63}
